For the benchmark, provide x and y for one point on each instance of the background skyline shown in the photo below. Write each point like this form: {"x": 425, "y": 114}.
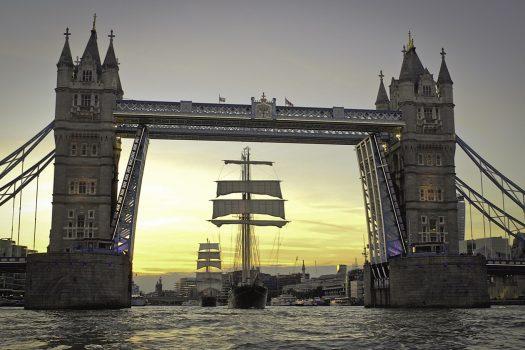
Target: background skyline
{"x": 314, "y": 53}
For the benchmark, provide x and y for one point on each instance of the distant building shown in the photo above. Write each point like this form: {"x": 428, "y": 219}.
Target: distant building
{"x": 158, "y": 287}
{"x": 342, "y": 269}
{"x": 331, "y": 285}
{"x": 12, "y": 283}
{"x": 186, "y": 288}
{"x": 491, "y": 247}
{"x": 461, "y": 218}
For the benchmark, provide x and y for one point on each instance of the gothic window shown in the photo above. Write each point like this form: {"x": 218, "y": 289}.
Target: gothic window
{"x": 72, "y": 187}
{"x": 441, "y": 220}
{"x": 427, "y": 90}
{"x": 96, "y": 100}
{"x": 69, "y": 229}
{"x": 431, "y": 195}
{"x": 82, "y": 187}
{"x": 87, "y": 75}
{"x": 81, "y": 220}
{"x": 420, "y": 159}
{"x": 92, "y": 187}
{"x": 428, "y": 114}
{"x": 438, "y": 159}
{"x": 89, "y": 230}
{"x": 84, "y": 149}
{"x": 73, "y": 149}
{"x": 420, "y": 113}
{"x": 439, "y": 196}
{"x": 94, "y": 149}
{"x": 429, "y": 158}
{"x": 424, "y": 219}
{"x": 91, "y": 214}
{"x": 70, "y": 214}
{"x": 422, "y": 196}
{"x": 75, "y": 100}
{"x": 86, "y": 100}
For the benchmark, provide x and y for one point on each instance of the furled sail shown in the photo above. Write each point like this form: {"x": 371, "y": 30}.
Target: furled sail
{"x": 208, "y": 263}
{"x": 266, "y": 187}
{"x": 209, "y": 246}
{"x": 276, "y": 223}
{"x": 207, "y": 255}
{"x": 273, "y": 207}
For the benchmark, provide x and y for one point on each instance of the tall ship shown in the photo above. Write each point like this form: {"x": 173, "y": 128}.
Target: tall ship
{"x": 248, "y": 291}
{"x": 209, "y": 275}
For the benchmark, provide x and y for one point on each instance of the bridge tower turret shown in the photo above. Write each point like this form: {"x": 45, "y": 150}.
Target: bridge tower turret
{"x": 87, "y": 150}
{"x": 422, "y": 161}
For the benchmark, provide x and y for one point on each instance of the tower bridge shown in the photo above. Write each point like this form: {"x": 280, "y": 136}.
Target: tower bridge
{"x": 406, "y": 155}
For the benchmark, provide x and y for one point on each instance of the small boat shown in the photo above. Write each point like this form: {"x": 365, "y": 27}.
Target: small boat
{"x": 138, "y": 300}
{"x": 283, "y": 300}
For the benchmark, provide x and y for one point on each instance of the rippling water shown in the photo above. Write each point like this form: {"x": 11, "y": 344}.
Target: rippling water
{"x": 331, "y": 327}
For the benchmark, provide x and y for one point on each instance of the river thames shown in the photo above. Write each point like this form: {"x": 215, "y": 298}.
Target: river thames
{"x": 500, "y": 327}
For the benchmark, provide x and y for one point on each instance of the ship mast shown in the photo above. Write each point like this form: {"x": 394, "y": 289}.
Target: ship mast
{"x": 245, "y": 217}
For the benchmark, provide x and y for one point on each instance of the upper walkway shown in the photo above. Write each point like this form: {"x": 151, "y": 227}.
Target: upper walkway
{"x": 260, "y": 121}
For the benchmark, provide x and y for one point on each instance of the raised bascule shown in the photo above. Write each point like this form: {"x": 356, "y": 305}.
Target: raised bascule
{"x": 405, "y": 150}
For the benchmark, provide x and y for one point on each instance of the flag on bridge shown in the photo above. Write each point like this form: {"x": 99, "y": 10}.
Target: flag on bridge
{"x": 222, "y": 99}
{"x": 288, "y": 103}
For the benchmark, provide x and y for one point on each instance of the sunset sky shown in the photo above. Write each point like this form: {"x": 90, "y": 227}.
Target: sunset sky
{"x": 314, "y": 53}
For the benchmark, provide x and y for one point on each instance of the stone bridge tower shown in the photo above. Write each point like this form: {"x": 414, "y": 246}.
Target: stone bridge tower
{"x": 87, "y": 150}
{"x": 422, "y": 159}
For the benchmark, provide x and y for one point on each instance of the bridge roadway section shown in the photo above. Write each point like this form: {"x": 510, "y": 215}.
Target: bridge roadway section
{"x": 186, "y": 120}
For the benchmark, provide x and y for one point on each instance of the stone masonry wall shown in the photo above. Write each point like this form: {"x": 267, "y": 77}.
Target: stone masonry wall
{"x": 439, "y": 281}
{"x": 77, "y": 281}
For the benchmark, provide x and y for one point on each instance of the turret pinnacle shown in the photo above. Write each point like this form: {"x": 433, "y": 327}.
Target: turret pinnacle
{"x": 65, "y": 57}
{"x": 111, "y": 60}
{"x": 444, "y": 75}
{"x": 92, "y": 46}
{"x": 411, "y": 68}
{"x": 382, "y": 101}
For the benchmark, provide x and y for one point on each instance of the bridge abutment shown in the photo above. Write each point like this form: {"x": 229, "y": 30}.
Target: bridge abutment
{"x": 430, "y": 281}
{"x": 77, "y": 281}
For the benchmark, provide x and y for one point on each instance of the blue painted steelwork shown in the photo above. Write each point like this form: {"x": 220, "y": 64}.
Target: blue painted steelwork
{"x": 125, "y": 220}
{"x": 385, "y": 226}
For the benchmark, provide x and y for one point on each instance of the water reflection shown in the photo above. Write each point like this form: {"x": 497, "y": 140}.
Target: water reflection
{"x": 272, "y": 328}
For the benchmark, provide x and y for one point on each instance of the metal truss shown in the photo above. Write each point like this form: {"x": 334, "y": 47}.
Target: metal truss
{"x": 13, "y": 187}
{"x": 125, "y": 220}
{"x": 384, "y": 223}
{"x": 218, "y": 133}
{"x": 137, "y": 107}
{"x": 223, "y": 116}
{"x": 12, "y": 160}
{"x": 498, "y": 216}
{"x": 507, "y": 186}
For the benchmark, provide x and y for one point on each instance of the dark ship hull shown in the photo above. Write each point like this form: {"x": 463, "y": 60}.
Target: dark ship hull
{"x": 248, "y": 297}
{"x": 207, "y": 300}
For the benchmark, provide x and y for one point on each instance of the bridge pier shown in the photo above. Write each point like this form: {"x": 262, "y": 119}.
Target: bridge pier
{"x": 77, "y": 281}
{"x": 430, "y": 281}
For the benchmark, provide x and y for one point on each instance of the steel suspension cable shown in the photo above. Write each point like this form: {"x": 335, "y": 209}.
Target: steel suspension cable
{"x": 483, "y": 216}
{"x": 36, "y": 211}
{"x": 20, "y": 205}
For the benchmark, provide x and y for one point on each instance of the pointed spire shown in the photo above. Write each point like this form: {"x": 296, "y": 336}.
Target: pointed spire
{"x": 444, "y": 75}
{"x": 92, "y": 46}
{"x": 410, "y": 44}
{"x": 382, "y": 101}
{"x": 65, "y": 57}
{"x": 111, "y": 60}
{"x": 411, "y": 68}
